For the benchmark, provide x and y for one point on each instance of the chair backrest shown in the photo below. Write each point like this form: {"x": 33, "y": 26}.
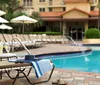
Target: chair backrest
{"x": 10, "y": 36}
{"x": 33, "y": 37}
{"x": 20, "y": 37}
{"x": 46, "y": 36}
{"x": 2, "y": 38}
{"x": 14, "y": 35}
{"x": 6, "y": 37}
{"x": 26, "y": 37}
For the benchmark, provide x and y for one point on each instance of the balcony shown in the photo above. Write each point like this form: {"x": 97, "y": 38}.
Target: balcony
{"x": 57, "y": 5}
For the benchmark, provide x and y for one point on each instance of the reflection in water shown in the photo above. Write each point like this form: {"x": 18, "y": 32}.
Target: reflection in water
{"x": 86, "y": 59}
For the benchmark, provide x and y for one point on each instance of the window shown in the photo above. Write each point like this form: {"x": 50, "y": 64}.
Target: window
{"x": 50, "y": 2}
{"x": 64, "y": 8}
{"x": 63, "y": 2}
{"x": 27, "y": 2}
{"x": 92, "y": 8}
{"x": 50, "y": 9}
{"x": 94, "y": 1}
{"x": 42, "y": 0}
{"x": 42, "y": 9}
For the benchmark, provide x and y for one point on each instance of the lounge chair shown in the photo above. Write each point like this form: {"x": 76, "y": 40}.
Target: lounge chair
{"x": 36, "y": 39}
{"x": 26, "y": 37}
{"x": 41, "y": 67}
{"x": 8, "y": 41}
{"x": 2, "y": 39}
{"x": 21, "y": 37}
{"x": 6, "y": 67}
{"x": 14, "y": 35}
{"x": 53, "y": 39}
{"x": 46, "y": 38}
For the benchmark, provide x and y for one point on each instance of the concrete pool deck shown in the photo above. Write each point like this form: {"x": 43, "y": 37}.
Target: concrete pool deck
{"x": 71, "y": 77}
{"x": 55, "y": 48}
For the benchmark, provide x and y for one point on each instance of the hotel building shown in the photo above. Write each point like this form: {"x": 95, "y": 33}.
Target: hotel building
{"x": 71, "y": 17}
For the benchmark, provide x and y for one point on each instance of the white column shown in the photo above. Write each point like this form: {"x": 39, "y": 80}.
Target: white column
{"x": 86, "y": 25}
{"x": 64, "y": 29}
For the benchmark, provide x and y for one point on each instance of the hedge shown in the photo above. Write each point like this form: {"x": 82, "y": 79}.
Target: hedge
{"x": 92, "y": 33}
{"x": 48, "y": 33}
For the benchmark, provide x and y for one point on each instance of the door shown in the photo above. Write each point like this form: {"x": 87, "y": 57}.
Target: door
{"x": 76, "y": 33}
{"x": 79, "y": 33}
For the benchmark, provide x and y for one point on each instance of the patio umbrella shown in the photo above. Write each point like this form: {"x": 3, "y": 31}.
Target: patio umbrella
{"x": 23, "y": 19}
{"x": 2, "y": 20}
{"x": 2, "y": 13}
{"x": 3, "y": 26}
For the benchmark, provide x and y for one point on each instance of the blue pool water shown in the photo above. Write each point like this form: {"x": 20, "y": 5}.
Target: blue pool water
{"x": 88, "y": 62}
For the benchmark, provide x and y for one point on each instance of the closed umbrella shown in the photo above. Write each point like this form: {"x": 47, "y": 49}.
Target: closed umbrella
{"x": 23, "y": 19}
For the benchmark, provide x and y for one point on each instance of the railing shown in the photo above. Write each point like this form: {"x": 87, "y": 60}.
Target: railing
{"x": 15, "y": 38}
{"x": 72, "y": 40}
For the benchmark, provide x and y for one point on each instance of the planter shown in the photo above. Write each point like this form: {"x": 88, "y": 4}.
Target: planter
{"x": 91, "y": 41}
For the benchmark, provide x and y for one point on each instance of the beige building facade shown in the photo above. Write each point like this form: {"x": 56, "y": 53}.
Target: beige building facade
{"x": 71, "y": 17}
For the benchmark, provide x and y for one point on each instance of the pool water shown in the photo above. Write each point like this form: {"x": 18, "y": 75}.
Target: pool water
{"x": 88, "y": 62}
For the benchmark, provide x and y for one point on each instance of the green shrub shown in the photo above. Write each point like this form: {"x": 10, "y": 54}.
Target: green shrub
{"x": 92, "y": 33}
{"x": 48, "y": 33}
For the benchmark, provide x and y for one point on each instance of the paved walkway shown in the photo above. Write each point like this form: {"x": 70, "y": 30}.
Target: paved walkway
{"x": 67, "y": 76}
{"x": 54, "y": 48}
{"x": 70, "y": 77}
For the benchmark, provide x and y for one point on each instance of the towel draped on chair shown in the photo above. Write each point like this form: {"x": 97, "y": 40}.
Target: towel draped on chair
{"x": 41, "y": 66}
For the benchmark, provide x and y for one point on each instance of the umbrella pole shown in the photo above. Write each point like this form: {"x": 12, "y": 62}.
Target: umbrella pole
{"x": 3, "y": 31}
{"x": 23, "y": 27}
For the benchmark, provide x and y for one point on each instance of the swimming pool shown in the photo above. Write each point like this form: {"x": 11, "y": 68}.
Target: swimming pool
{"x": 88, "y": 62}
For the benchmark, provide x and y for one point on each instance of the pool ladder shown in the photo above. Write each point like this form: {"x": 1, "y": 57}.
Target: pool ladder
{"x": 12, "y": 45}
{"x": 74, "y": 43}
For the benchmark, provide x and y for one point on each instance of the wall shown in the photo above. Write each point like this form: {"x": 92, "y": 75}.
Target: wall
{"x": 75, "y": 14}
{"x": 82, "y": 6}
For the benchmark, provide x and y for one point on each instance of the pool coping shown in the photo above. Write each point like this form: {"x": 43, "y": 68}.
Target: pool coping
{"x": 91, "y": 44}
{"x": 60, "y": 53}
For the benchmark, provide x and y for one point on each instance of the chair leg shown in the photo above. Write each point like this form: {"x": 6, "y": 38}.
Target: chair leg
{"x": 22, "y": 71}
{"x": 16, "y": 78}
{"x": 40, "y": 81}
{"x": 0, "y": 74}
{"x": 8, "y": 73}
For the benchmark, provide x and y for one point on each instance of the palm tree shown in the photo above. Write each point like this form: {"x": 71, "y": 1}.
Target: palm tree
{"x": 3, "y": 4}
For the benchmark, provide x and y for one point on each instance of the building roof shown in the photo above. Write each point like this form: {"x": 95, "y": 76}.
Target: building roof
{"x": 75, "y": 9}
{"x": 94, "y": 13}
{"x": 50, "y": 14}
{"x": 59, "y": 14}
{"x": 76, "y": 1}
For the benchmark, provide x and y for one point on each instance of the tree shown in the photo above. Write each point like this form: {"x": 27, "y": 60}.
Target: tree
{"x": 12, "y": 5}
{"x": 16, "y": 26}
{"x": 3, "y": 4}
{"x": 9, "y": 5}
{"x": 36, "y": 15}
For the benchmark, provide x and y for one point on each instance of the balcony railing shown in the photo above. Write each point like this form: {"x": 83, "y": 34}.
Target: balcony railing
{"x": 56, "y": 3}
